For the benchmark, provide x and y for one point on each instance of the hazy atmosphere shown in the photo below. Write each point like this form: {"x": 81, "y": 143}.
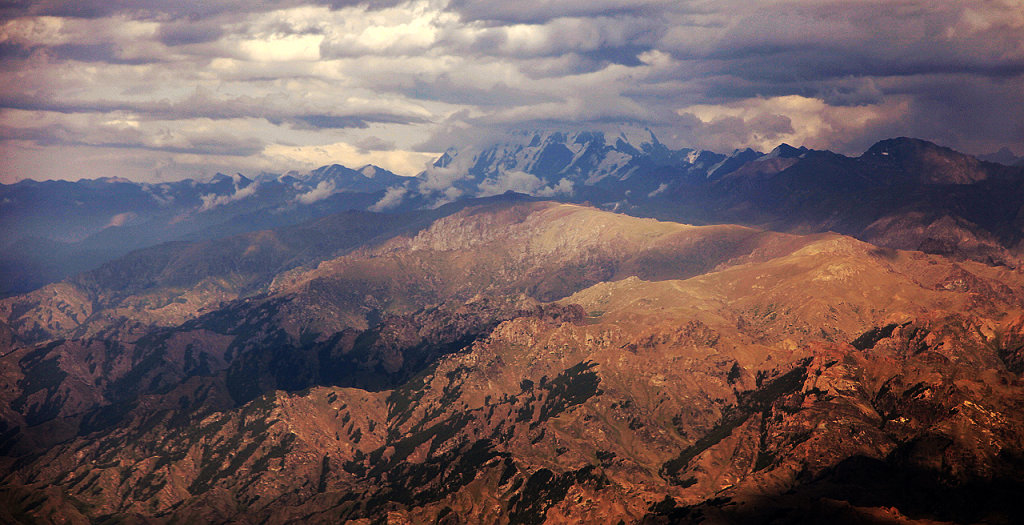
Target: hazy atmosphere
{"x": 162, "y": 90}
{"x": 516, "y": 262}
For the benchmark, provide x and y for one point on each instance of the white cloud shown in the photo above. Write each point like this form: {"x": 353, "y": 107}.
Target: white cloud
{"x": 322, "y": 190}
{"x": 401, "y": 162}
{"x": 522, "y": 182}
{"x": 763, "y": 123}
{"x": 408, "y": 29}
{"x": 212, "y": 200}
{"x": 564, "y": 187}
{"x": 435, "y": 179}
{"x": 282, "y": 48}
{"x": 392, "y": 197}
{"x": 144, "y": 90}
{"x": 516, "y": 181}
{"x": 447, "y": 196}
{"x": 51, "y": 31}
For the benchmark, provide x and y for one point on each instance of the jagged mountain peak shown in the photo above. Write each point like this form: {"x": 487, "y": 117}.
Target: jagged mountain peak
{"x": 926, "y": 161}
{"x": 908, "y": 148}
{"x": 631, "y": 140}
{"x": 1004, "y": 156}
{"x": 631, "y": 136}
{"x": 733, "y": 162}
{"x": 551, "y": 155}
{"x": 368, "y": 178}
{"x": 785, "y": 151}
{"x": 237, "y": 179}
{"x": 446, "y": 158}
{"x": 330, "y": 170}
{"x": 370, "y": 171}
{"x": 517, "y": 360}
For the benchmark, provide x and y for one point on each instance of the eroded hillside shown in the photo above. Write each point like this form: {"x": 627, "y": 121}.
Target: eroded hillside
{"x": 532, "y": 362}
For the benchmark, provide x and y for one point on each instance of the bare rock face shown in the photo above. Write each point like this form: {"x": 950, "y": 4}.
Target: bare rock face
{"x": 945, "y": 235}
{"x": 169, "y": 284}
{"x": 1011, "y": 345}
{"x": 532, "y": 363}
{"x": 926, "y": 163}
{"x": 56, "y": 308}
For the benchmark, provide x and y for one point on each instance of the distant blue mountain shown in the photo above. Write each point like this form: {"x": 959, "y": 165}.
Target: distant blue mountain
{"x": 52, "y": 229}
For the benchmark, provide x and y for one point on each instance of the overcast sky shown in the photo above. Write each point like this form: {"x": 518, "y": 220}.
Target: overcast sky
{"x": 163, "y": 89}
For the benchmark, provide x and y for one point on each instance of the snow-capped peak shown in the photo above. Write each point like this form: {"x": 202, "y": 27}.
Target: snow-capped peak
{"x": 237, "y": 179}
{"x": 635, "y": 137}
{"x": 369, "y": 171}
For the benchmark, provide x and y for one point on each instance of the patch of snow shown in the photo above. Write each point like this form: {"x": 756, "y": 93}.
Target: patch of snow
{"x": 661, "y": 189}
{"x": 609, "y": 165}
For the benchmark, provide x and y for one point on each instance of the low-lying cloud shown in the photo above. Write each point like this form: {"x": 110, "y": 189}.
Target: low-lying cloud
{"x": 212, "y": 200}
{"x": 323, "y": 189}
{"x": 392, "y": 198}
{"x": 522, "y": 182}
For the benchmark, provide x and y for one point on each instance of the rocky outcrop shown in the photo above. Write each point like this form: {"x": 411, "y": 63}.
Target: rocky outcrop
{"x": 514, "y": 365}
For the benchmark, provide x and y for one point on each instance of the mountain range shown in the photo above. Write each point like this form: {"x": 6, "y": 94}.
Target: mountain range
{"x": 55, "y": 229}
{"x": 901, "y": 193}
{"x": 563, "y": 327}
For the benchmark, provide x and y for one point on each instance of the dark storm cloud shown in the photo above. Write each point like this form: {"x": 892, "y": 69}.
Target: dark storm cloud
{"x": 374, "y": 144}
{"x": 190, "y": 32}
{"x": 816, "y": 40}
{"x": 204, "y": 105}
{"x": 445, "y": 88}
{"x": 812, "y": 62}
{"x": 627, "y": 55}
{"x": 107, "y": 53}
{"x": 309, "y": 79}
{"x": 846, "y": 54}
{"x": 132, "y": 138}
{"x": 852, "y": 91}
{"x": 607, "y": 39}
{"x": 13, "y": 51}
{"x": 939, "y": 108}
{"x": 538, "y": 11}
{"x": 344, "y": 121}
{"x": 163, "y": 9}
{"x": 209, "y": 146}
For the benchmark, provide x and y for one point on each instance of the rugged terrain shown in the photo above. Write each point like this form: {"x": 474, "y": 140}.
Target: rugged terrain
{"x": 519, "y": 362}
{"x": 56, "y": 229}
{"x": 901, "y": 193}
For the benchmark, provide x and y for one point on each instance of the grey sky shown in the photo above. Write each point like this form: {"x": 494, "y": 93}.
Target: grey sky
{"x": 152, "y": 90}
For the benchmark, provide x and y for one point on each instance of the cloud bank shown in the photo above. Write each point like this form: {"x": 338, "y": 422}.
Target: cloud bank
{"x": 161, "y": 90}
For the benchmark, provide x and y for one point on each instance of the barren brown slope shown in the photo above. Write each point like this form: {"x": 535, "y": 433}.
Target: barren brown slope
{"x": 168, "y": 284}
{"x": 804, "y": 378}
{"x": 307, "y": 330}
{"x": 544, "y": 250}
